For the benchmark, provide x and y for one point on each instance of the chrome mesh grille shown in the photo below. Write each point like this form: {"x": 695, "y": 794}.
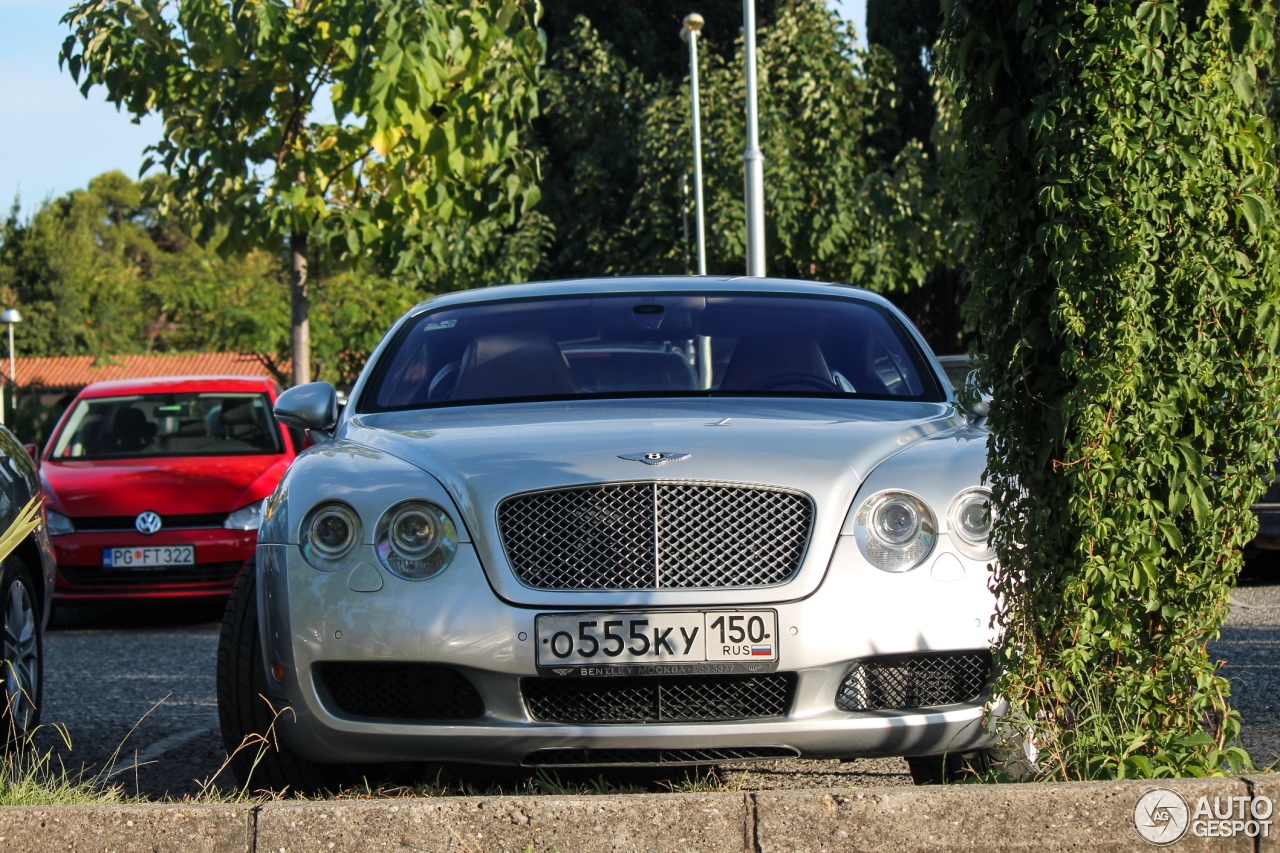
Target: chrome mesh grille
{"x": 399, "y": 691}
{"x": 655, "y": 536}
{"x": 914, "y": 681}
{"x": 653, "y": 699}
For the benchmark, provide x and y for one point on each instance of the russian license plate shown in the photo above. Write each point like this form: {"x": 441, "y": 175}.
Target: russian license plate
{"x": 659, "y": 637}
{"x": 152, "y": 556}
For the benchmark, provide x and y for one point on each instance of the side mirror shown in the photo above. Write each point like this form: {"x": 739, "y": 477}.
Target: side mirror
{"x": 980, "y": 407}
{"x": 34, "y": 452}
{"x": 313, "y": 406}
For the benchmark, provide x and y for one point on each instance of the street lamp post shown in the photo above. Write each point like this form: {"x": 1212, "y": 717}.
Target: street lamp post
{"x": 753, "y": 158}
{"x": 10, "y": 316}
{"x": 689, "y": 32}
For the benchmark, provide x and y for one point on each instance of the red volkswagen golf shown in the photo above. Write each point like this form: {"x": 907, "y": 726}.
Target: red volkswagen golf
{"x": 153, "y": 486}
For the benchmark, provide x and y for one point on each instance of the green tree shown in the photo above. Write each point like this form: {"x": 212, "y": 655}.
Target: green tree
{"x": 616, "y": 197}
{"x": 914, "y": 199}
{"x": 428, "y": 101}
{"x": 1120, "y": 171}
{"x": 645, "y": 33}
{"x": 80, "y": 269}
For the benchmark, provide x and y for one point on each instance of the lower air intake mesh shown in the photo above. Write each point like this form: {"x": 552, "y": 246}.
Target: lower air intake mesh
{"x": 654, "y": 699}
{"x": 914, "y": 681}
{"x": 399, "y": 691}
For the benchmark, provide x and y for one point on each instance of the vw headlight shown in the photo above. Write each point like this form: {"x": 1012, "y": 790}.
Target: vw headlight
{"x": 970, "y": 523}
{"x": 245, "y": 518}
{"x": 895, "y": 531}
{"x": 57, "y": 524}
{"x": 416, "y": 540}
{"x": 330, "y": 533}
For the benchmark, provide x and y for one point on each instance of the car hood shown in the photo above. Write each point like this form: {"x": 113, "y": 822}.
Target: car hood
{"x": 823, "y": 448}
{"x": 170, "y": 486}
{"x": 486, "y": 453}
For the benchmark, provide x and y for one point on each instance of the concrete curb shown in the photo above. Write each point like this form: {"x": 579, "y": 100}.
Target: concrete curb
{"x": 1094, "y": 816}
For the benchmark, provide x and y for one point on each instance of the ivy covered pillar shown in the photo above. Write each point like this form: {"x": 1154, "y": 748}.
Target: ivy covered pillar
{"x": 1120, "y": 171}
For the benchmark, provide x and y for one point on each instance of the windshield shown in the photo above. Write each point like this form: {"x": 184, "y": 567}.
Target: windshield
{"x": 649, "y": 345}
{"x": 191, "y": 424}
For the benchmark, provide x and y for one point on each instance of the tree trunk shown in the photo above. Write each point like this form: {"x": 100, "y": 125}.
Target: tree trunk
{"x": 301, "y": 325}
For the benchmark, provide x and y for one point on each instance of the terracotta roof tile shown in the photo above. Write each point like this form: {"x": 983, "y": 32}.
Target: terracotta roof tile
{"x": 72, "y": 372}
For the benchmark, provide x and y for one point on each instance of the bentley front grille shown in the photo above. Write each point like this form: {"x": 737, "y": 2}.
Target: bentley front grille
{"x": 617, "y": 757}
{"x": 656, "y": 536}
{"x": 399, "y": 691}
{"x": 658, "y": 699}
{"x": 897, "y": 682}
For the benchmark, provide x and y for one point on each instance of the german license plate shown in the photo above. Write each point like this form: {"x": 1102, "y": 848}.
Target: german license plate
{"x": 659, "y": 637}
{"x": 152, "y": 556}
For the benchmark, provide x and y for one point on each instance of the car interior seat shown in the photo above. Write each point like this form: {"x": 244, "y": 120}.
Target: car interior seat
{"x": 240, "y": 422}
{"x": 131, "y": 431}
{"x": 527, "y": 364}
{"x": 757, "y": 359}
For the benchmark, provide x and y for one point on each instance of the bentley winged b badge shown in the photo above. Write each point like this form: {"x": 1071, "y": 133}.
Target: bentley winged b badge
{"x": 654, "y": 457}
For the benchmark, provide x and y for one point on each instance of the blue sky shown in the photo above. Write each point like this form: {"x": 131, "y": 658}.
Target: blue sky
{"x": 53, "y": 140}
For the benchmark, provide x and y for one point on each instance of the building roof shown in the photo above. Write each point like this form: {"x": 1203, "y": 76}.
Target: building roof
{"x": 73, "y": 372}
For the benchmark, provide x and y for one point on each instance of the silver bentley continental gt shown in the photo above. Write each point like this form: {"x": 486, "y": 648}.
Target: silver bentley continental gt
{"x": 624, "y": 521}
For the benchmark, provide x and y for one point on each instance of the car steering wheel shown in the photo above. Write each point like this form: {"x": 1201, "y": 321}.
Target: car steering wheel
{"x": 804, "y": 380}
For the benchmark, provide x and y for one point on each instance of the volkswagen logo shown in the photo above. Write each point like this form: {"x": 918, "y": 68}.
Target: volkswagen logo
{"x": 147, "y": 522}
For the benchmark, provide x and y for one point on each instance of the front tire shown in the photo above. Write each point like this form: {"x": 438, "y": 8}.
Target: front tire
{"x": 22, "y": 649}
{"x": 258, "y": 756}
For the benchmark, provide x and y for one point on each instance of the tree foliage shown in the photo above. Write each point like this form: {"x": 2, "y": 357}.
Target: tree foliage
{"x": 918, "y": 198}
{"x": 1120, "y": 171}
{"x": 421, "y": 152}
{"x": 826, "y": 120}
{"x": 102, "y": 272}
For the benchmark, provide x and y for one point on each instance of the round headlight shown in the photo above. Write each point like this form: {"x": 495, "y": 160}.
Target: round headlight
{"x": 895, "y": 531}
{"x": 330, "y": 532}
{"x": 416, "y": 540}
{"x": 970, "y": 523}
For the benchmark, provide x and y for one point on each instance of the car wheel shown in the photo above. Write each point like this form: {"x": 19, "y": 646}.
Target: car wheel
{"x": 23, "y": 651}
{"x": 259, "y": 758}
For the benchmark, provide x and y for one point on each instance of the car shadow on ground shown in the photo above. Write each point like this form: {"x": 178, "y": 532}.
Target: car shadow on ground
{"x": 136, "y": 614}
{"x": 1260, "y": 568}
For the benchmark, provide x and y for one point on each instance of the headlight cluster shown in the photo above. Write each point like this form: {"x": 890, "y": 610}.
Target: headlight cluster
{"x": 414, "y": 539}
{"x": 57, "y": 524}
{"x": 970, "y": 524}
{"x": 896, "y": 531}
{"x": 245, "y": 518}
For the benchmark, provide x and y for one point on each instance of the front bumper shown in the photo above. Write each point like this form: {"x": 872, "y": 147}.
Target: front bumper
{"x": 81, "y": 578}
{"x": 455, "y": 620}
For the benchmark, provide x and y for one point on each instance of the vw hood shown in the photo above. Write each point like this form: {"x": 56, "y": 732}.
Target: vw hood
{"x": 168, "y": 485}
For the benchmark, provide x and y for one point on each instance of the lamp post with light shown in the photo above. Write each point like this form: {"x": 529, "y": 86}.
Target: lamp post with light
{"x": 689, "y": 32}
{"x": 10, "y": 316}
{"x": 753, "y": 157}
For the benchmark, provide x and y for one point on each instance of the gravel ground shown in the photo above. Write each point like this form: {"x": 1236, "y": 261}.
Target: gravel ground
{"x": 133, "y": 690}
{"x": 1250, "y": 644}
